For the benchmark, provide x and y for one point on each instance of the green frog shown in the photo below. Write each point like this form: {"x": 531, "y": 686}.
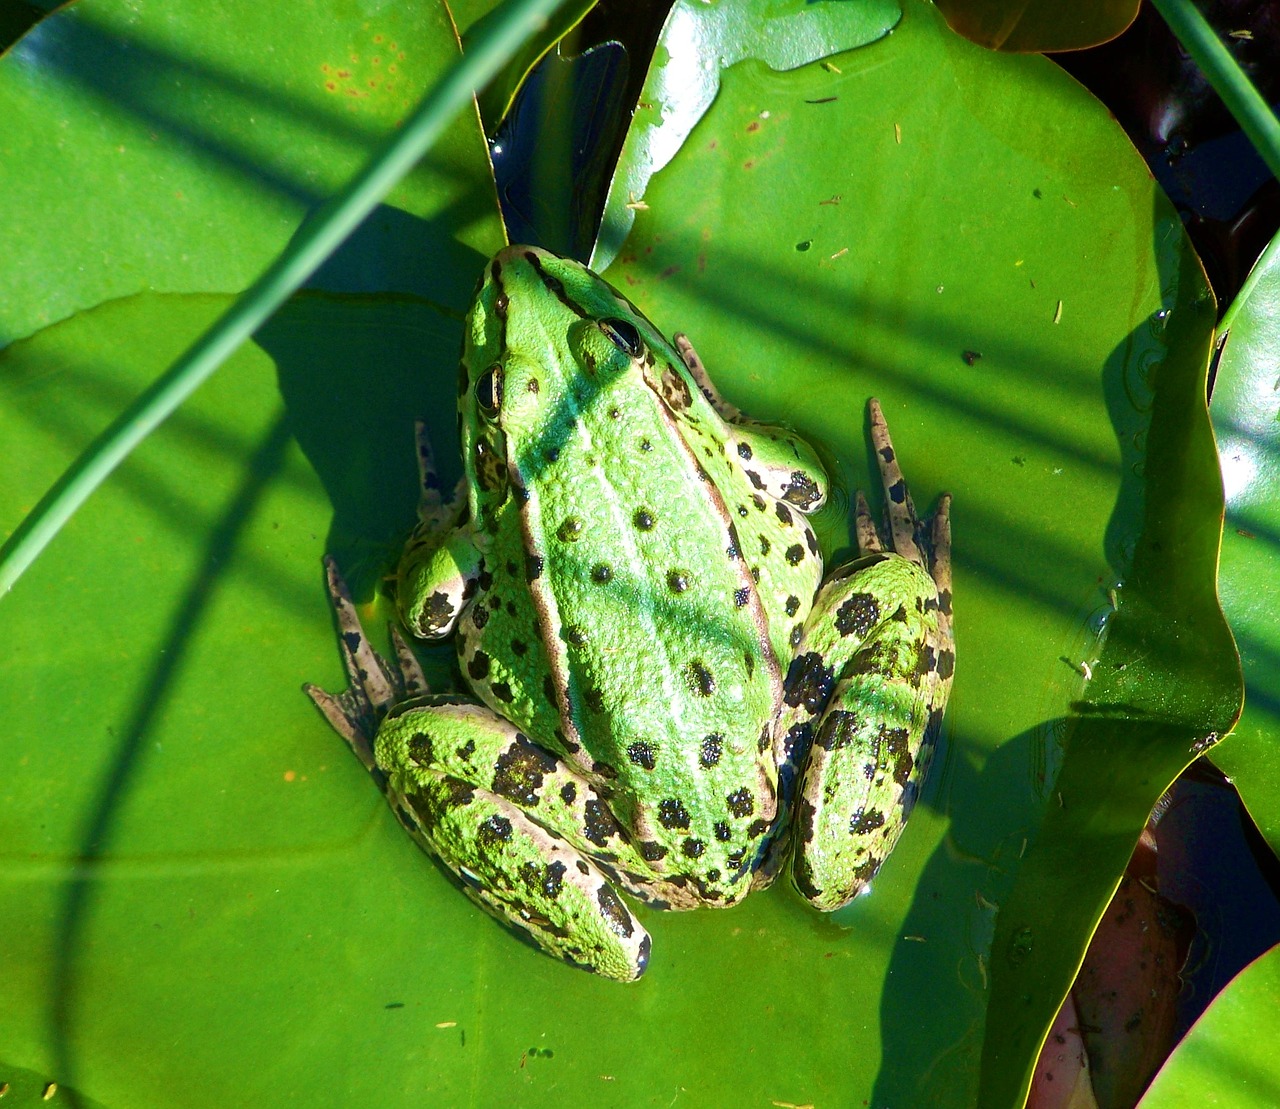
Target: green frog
{"x": 667, "y": 699}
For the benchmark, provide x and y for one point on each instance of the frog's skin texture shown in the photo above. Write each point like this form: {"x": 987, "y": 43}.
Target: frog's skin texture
{"x": 669, "y": 701}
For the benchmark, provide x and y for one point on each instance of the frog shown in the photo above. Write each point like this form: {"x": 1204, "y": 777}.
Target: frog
{"x": 664, "y": 698}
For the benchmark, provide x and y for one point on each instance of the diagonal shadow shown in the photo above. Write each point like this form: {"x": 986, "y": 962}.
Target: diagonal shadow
{"x": 81, "y": 891}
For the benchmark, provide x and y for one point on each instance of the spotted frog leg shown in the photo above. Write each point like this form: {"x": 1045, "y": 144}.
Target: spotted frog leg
{"x": 864, "y": 696}
{"x": 527, "y": 837}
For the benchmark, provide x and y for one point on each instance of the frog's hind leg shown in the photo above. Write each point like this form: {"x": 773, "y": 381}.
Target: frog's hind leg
{"x": 528, "y": 838}
{"x": 518, "y": 827}
{"x": 866, "y": 692}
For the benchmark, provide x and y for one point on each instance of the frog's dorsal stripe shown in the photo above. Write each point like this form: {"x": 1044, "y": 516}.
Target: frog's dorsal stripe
{"x": 554, "y": 285}
{"x": 548, "y": 620}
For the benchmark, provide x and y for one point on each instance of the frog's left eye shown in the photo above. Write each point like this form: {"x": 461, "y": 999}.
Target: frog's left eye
{"x": 489, "y": 390}
{"x": 623, "y": 335}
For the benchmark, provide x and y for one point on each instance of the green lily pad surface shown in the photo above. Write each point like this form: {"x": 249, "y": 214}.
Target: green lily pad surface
{"x": 1246, "y": 418}
{"x": 206, "y": 900}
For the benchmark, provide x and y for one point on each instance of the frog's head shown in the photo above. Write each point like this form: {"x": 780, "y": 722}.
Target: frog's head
{"x": 545, "y": 340}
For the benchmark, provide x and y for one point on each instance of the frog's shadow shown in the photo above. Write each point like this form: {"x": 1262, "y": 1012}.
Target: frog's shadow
{"x": 355, "y": 371}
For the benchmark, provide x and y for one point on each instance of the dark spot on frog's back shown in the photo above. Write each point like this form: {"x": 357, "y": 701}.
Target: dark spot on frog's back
{"x": 478, "y": 666}
{"x": 740, "y": 802}
{"x": 520, "y": 769}
{"x": 838, "y": 730}
{"x": 711, "y": 750}
{"x": 651, "y": 851}
{"x": 570, "y": 530}
{"x": 494, "y": 831}
{"x": 533, "y": 566}
{"x": 862, "y": 824}
{"x": 644, "y": 519}
{"x": 421, "y": 749}
{"x": 548, "y": 879}
{"x": 700, "y": 679}
{"x": 439, "y": 610}
{"x": 598, "y": 824}
{"x": 795, "y": 554}
{"x": 642, "y": 754}
{"x": 673, "y": 814}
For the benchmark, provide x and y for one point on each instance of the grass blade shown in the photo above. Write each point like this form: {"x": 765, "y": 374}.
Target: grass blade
{"x": 1229, "y": 81}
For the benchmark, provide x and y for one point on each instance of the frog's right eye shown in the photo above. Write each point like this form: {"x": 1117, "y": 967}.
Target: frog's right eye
{"x": 489, "y": 390}
{"x": 624, "y": 335}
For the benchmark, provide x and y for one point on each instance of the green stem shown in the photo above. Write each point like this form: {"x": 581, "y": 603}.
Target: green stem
{"x": 1228, "y": 80}
{"x": 322, "y": 233}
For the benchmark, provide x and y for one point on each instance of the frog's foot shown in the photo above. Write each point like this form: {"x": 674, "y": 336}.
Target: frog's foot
{"x": 528, "y": 838}
{"x": 865, "y": 694}
{"x": 434, "y": 511}
{"x": 376, "y": 684}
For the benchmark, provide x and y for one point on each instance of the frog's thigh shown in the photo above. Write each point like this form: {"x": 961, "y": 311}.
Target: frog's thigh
{"x": 504, "y": 815}
{"x": 878, "y": 630}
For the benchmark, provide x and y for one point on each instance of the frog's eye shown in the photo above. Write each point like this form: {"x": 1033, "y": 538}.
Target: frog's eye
{"x": 623, "y": 335}
{"x": 489, "y": 390}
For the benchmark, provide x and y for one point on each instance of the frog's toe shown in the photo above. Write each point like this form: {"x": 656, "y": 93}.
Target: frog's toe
{"x": 376, "y": 684}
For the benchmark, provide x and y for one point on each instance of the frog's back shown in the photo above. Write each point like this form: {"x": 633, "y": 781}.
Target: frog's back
{"x": 634, "y": 640}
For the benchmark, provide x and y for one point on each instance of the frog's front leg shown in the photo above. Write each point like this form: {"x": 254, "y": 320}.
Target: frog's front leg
{"x": 776, "y": 461}
{"x": 526, "y": 836}
{"x": 865, "y": 693}
{"x": 440, "y": 565}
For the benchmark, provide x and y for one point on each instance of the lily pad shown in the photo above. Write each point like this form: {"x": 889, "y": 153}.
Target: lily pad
{"x": 1246, "y": 418}
{"x": 913, "y": 225}
{"x": 203, "y": 892}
